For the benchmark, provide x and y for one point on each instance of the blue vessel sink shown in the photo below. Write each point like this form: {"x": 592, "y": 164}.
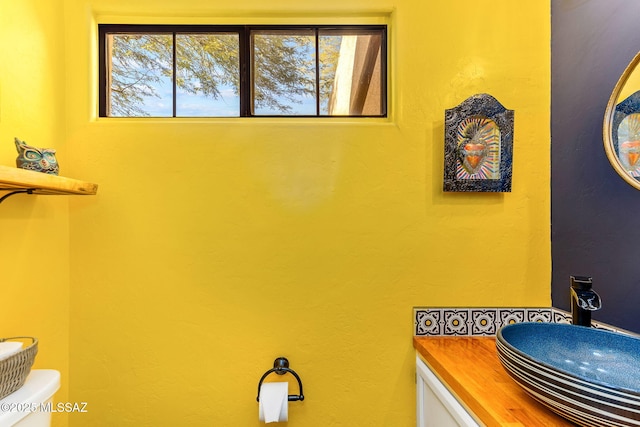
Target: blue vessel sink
{"x": 589, "y": 376}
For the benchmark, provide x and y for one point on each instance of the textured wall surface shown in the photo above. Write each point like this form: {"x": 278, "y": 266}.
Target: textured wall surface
{"x": 594, "y": 212}
{"x": 216, "y": 245}
{"x": 34, "y": 234}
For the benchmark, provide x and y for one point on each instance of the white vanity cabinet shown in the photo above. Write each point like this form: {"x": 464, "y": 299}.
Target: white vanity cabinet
{"x": 436, "y": 405}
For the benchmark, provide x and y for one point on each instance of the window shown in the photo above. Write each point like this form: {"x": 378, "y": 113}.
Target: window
{"x": 242, "y": 71}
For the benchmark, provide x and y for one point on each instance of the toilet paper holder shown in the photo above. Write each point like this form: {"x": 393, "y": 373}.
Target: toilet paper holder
{"x": 281, "y": 367}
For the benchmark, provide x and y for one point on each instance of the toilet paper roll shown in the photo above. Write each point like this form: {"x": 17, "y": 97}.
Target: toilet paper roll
{"x": 274, "y": 402}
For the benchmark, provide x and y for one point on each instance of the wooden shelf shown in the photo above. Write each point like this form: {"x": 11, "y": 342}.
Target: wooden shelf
{"x": 16, "y": 179}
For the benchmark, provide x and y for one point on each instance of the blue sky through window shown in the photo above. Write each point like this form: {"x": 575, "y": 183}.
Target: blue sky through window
{"x": 284, "y": 78}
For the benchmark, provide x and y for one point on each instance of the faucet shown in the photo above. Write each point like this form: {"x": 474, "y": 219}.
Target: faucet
{"x": 584, "y": 300}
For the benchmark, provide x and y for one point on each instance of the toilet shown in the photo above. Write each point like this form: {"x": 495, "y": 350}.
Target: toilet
{"x": 22, "y": 408}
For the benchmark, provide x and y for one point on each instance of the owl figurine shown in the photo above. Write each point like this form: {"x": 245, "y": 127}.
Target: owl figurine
{"x": 36, "y": 159}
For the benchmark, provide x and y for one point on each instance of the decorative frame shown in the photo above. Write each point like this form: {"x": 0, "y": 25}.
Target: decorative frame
{"x": 610, "y": 129}
{"x": 478, "y": 150}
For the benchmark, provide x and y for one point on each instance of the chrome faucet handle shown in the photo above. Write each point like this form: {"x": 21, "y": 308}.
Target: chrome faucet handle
{"x": 587, "y": 299}
{"x": 581, "y": 282}
{"x": 584, "y": 300}
{"x": 593, "y": 302}
{"x": 583, "y": 304}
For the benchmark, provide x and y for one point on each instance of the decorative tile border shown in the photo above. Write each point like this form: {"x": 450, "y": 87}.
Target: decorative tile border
{"x": 485, "y": 321}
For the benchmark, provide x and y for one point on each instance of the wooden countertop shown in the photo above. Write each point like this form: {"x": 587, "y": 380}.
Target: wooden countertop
{"x": 470, "y": 368}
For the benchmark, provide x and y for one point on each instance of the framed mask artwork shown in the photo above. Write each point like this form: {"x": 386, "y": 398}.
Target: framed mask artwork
{"x": 478, "y": 152}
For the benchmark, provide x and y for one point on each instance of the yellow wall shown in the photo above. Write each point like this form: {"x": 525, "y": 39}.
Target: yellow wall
{"x": 34, "y": 236}
{"x": 214, "y": 246}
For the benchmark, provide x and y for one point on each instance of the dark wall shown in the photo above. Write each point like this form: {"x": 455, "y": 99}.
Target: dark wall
{"x": 595, "y": 215}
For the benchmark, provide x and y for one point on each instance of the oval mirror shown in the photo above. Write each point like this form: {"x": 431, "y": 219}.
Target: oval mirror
{"x": 621, "y": 128}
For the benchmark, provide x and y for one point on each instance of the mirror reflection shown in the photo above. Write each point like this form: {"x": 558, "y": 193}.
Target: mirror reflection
{"x": 626, "y": 133}
{"x": 621, "y": 129}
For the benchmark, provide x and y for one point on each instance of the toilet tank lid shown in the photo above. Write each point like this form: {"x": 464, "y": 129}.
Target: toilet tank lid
{"x": 40, "y": 385}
